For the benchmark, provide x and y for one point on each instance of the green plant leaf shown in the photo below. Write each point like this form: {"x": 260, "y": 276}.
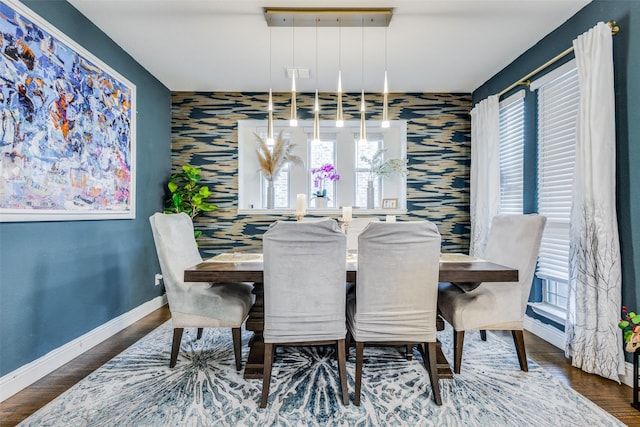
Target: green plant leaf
{"x": 627, "y": 336}
{"x": 623, "y": 324}
{"x": 635, "y": 319}
{"x": 172, "y": 186}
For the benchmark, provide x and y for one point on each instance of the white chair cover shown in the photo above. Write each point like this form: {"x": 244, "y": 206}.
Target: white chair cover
{"x": 194, "y": 304}
{"x": 304, "y": 275}
{"x": 514, "y": 241}
{"x": 397, "y": 286}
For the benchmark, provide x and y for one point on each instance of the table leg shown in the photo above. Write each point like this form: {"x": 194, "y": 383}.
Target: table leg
{"x": 255, "y": 322}
{"x": 442, "y": 364}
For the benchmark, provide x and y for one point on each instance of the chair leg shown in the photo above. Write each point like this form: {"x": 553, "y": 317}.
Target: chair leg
{"x": 483, "y": 335}
{"x": 348, "y": 344}
{"x": 430, "y": 364}
{"x": 409, "y": 352}
{"x": 342, "y": 370}
{"x": 199, "y": 333}
{"x": 518, "y": 339}
{"x": 359, "y": 357}
{"x": 266, "y": 375}
{"x": 237, "y": 347}
{"x": 458, "y": 343}
{"x": 177, "y": 337}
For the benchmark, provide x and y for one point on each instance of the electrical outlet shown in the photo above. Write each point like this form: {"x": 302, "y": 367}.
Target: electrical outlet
{"x": 158, "y": 278}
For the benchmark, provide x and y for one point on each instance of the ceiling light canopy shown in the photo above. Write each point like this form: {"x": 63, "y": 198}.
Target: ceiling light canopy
{"x": 327, "y": 17}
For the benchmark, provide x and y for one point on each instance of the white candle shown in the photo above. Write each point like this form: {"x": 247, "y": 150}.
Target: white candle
{"x": 391, "y": 218}
{"x": 346, "y": 213}
{"x": 301, "y": 203}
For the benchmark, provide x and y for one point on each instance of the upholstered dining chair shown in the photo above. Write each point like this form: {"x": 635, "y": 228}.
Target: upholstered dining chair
{"x": 304, "y": 296}
{"x": 196, "y": 305}
{"x": 395, "y": 300}
{"x": 355, "y": 227}
{"x": 514, "y": 241}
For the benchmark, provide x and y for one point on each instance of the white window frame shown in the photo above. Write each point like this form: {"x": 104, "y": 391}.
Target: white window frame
{"x": 249, "y": 177}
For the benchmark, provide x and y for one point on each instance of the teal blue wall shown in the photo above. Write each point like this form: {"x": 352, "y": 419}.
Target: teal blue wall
{"x": 626, "y": 45}
{"x": 59, "y": 280}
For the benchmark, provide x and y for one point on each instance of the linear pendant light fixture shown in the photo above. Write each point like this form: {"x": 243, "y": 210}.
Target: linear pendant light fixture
{"x": 332, "y": 17}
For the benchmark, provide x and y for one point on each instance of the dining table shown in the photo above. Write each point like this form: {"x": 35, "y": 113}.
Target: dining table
{"x": 248, "y": 267}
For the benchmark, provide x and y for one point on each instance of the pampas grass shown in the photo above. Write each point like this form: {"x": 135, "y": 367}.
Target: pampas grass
{"x": 272, "y": 161}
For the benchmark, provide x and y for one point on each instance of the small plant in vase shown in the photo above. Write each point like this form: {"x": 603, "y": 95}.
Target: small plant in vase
{"x": 323, "y": 176}
{"x": 378, "y": 167}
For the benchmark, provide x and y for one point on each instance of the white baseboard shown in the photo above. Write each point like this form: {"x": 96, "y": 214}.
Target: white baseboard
{"x": 547, "y": 332}
{"x": 27, "y": 374}
{"x": 555, "y": 337}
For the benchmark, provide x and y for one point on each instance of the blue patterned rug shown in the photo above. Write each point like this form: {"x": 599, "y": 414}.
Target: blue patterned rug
{"x": 137, "y": 388}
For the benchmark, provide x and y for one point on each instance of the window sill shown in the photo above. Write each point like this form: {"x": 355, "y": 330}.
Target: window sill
{"x": 320, "y": 212}
{"x": 549, "y": 311}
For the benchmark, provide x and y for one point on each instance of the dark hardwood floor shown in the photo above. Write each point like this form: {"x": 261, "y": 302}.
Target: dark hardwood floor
{"x": 610, "y": 396}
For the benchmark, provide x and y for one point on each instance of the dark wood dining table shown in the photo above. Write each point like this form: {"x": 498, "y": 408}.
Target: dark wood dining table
{"x": 252, "y": 271}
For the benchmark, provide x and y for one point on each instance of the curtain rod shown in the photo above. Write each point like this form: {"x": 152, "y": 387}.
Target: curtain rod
{"x": 524, "y": 80}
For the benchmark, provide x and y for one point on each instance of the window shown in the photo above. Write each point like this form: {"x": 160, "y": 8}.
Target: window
{"x": 511, "y": 153}
{"x": 558, "y": 99}
{"x": 338, "y": 146}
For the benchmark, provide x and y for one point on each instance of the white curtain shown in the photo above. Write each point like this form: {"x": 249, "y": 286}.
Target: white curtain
{"x": 594, "y": 341}
{"x": 485, "y": 170}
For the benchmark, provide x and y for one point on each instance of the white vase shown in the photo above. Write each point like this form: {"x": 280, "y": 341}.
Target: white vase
{"x": 270, "y": 194}
{"x": 370, "y": 195}
{"x": 321, "y": 202}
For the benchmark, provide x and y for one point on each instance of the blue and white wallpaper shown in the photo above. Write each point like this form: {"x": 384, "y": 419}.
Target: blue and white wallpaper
{"x": 204, "y": 134}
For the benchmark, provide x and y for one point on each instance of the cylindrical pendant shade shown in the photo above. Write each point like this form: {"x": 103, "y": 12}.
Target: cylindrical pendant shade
{"x": 363, "y": 127}
{"x": 316, "y": 119}
{"x": 294, "y": 113}
{"x": 270, "y": 119}
{"x": 340, "y": 113}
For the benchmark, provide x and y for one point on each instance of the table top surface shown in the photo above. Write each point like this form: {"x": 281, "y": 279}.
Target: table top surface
{"x": 249, "y": 267}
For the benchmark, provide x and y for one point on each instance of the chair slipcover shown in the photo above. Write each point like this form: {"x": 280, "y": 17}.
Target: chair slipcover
{"x": 304, "y": 274}
{"x": 304, "y": 300}
{"x": 397, "y": 285}
{"x": 194, "y": 304}
{"x": 514, "y": 241}
{"x": 355, "y": 227}
{"x": 396, "y": 292}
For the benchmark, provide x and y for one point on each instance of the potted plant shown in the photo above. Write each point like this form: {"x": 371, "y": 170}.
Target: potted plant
{"x": 325, "y": 173}
{"x": 187, "y": 195}
{"x": 378, "y": 167}
{"x": 630, "y": 324}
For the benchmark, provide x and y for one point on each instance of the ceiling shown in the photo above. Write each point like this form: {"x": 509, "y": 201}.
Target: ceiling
{"x": 223, "y": 45}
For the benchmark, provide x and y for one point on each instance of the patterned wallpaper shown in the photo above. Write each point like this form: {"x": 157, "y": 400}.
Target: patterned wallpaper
{"x": 204, "y": 134}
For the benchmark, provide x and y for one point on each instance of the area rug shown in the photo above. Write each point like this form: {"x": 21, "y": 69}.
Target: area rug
{"x": 137, "y": 388}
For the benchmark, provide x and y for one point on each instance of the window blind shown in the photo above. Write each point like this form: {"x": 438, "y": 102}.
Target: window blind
{"x": 558, "y": 100}
{"x": 511, "y": 153}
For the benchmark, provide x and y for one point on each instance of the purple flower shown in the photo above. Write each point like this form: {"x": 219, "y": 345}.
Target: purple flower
{"x": 324, "y": 172}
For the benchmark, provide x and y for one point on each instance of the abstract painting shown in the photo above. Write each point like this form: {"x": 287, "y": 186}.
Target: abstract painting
{"x": 67, "y": 126}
